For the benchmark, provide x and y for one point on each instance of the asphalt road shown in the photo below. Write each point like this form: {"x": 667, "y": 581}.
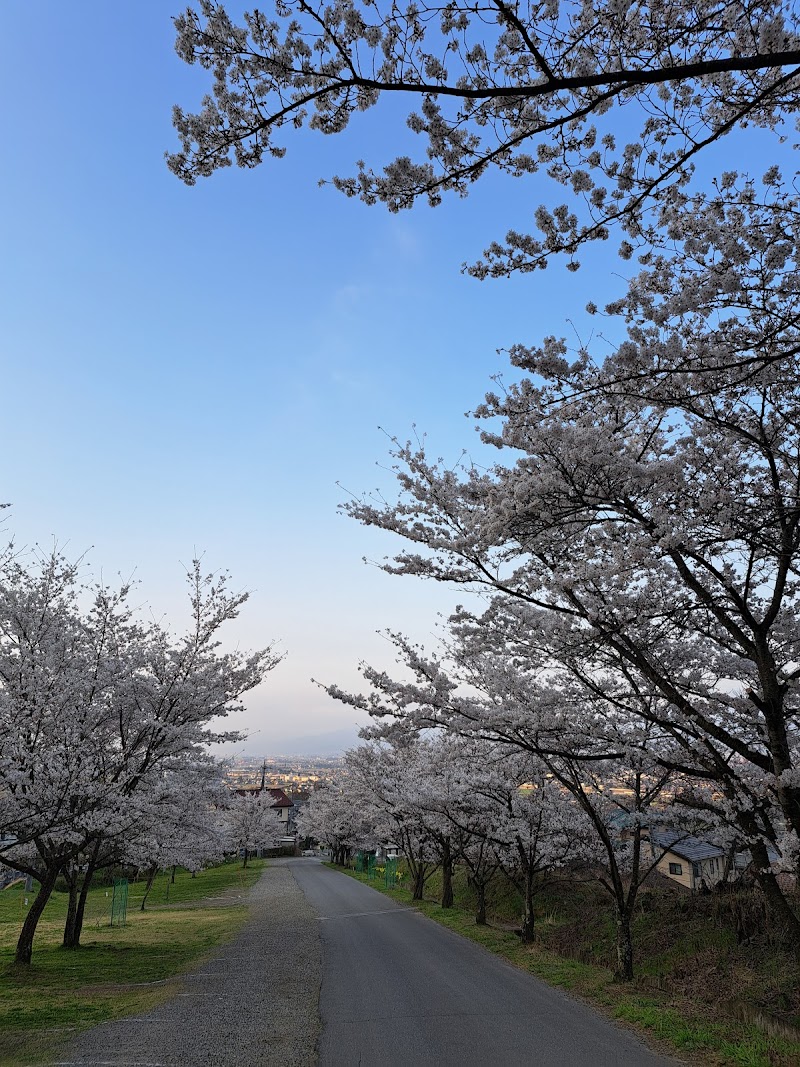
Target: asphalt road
{"x": 401, "y": 991}
{"x": 396, "y": 990}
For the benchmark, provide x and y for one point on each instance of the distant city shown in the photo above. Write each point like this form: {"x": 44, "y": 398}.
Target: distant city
{"x": 294, "y": 774}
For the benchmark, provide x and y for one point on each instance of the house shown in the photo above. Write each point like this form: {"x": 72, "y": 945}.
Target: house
{"x": 281, "y": 803}
{"x": 693, "y": 863}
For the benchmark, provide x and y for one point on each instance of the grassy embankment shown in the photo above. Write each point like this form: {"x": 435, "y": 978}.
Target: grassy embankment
{"x": 699, "y": 990}
{"x": 117, "y": 971}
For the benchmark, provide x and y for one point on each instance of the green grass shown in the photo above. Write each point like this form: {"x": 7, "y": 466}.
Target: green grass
{"x": 680, "y": 946}
{"x": 117, "y": 971}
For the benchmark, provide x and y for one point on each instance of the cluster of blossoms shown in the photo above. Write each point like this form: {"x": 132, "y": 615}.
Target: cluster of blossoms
{"x": 516, "y": 87}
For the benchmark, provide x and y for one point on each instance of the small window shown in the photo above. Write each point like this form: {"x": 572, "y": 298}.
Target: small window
{"x": 675, "y": 868}
{"x": 696, "y": 870}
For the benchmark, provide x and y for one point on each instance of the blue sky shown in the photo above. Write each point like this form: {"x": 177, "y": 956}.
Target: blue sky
{"x": 194, "y": 370}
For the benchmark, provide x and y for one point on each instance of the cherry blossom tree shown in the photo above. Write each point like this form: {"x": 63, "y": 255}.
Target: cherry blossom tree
{"x": 514, "y": 87}
{"x": 96, "y": 708}
{"x": 541, "y": 832}
{"x": 646, "y": 528}
{"x": 398, "y": 779}
{"x": 343, "y": 817}
{"x": 252, "y": 823}
{"x": 477, "y": 815}
{"x": 434, "y": 791}
{"x": 182, "y": 823}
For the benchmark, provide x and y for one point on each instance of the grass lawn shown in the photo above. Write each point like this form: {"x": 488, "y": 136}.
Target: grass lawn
{"x": 118, "y": 970}
{"x": 694, "y": 985}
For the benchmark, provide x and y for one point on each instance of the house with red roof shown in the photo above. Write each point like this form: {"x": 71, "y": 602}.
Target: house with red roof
{"x": 281, "y": 803}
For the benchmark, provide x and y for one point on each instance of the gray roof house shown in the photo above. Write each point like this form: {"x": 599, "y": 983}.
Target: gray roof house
{"x": 690, "y": 861}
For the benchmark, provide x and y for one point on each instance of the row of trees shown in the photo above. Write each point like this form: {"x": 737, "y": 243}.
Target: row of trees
{"x": 639, "y": 551}
{"x": 105, "y": 719}
{"x": 493, "y": 809}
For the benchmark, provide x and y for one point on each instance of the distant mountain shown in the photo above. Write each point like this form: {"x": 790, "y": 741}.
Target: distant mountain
{"x": 328, "y": 744}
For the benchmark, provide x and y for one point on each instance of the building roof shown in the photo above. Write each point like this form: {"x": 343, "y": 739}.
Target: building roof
{"x": 682, "y": 844}
{"x": 280, "y": 799}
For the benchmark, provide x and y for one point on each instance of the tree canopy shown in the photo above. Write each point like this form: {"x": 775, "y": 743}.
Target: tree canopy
{"x": 512, "y": 86}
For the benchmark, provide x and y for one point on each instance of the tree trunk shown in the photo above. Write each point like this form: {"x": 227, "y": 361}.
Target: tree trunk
{"x": 81, "y": 909}
{"x": 528, "y": 931}
{"x": 25, "y": 942}
{"x": 447, "y": 876}
{"x": 246, "y": 854}
{"x": 778, "y": 905}
{"x": 74, "y": 923}
{"x": 480, "y": 918}
{"x": 74, "y": 938}
{"x": 151, "y": 877}
{"x": 624, "y": 969}
{"x": 71, "y": 878}
{"x": 172, "y": 879}
{"x": 419, "y": 883}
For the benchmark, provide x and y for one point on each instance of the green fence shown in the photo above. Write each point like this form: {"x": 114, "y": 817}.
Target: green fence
{"x": 385, "y": 871}
{"x": 119, "y": 902}
{"x": 390, "y": 874}
{"x": 366, "y": 864}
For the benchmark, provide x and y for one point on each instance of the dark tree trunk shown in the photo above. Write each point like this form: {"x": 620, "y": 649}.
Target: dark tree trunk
{"x": 151, "y": 877}
{"x": 79, "y": 891}
{"x": 778, "y": 905}
{"x": 447, "y": 876}
{"x": 72, "y": 932}
{"x": 624, "y": 968}
{"x": 71, "y": 878}
{"x": 81, "y": 909}
{"x": 419, "y": 883}
{"x": 480, "y": 918}
{"x": 25, "y": 942}
{"x": 172, "y": 879}
{"x": 528, "y": 931}
{"x": 246, "y": 854}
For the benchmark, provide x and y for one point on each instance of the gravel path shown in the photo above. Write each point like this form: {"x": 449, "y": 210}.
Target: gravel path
{"x": 256, "y": 1002}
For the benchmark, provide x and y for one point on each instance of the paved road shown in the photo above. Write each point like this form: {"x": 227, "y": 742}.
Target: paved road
{"x": 401, "y": 991}
{"x": 397, "y": 990}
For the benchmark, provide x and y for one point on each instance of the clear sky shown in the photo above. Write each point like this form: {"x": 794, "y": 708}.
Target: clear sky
{"x": 194, "y": 370}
